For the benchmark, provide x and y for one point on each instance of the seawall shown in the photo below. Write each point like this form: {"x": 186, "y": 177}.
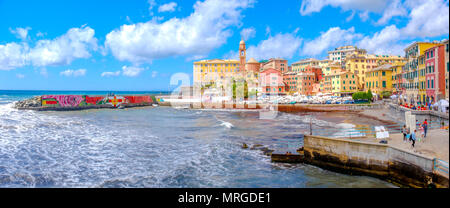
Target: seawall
{"x": 279, "y": 107}
{"x": 395, "y": 165}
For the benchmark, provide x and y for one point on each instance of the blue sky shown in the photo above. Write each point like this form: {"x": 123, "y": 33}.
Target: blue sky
{"x": 138, "y": 45}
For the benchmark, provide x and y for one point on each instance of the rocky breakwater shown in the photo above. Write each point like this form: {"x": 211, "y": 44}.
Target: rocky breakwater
{"x": 34, "y": 102}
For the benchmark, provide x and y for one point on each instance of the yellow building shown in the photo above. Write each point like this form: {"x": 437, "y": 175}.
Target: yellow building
{"x": 379, "y": 79}
{"x": 397, "y": 77}
{"x": 215, "y": 71}
{"x": 339, "y": 82}
{"x": 331, "y": 68}
{"x": 360, "y": 63}
{"x": 422, "y": 79}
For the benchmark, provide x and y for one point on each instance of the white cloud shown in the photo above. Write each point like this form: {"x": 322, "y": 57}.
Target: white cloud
{"x": 132, "y": 71}
{"x": 13, "y": 55}
{"x": 154, "y": 74}
{"x": 73, "y": 73}
{"x": 207, "y": 28}
{"x": 20, "y": 76}
{"x": 334, "y": 37}
{"x": 428, "y": 18}
{"x": 248, "y": 33}
{"x": 76, "y": 43}
{"x": 310, "y": 6}
{"x": 169, "y": 7}
{"x": 21, "y": 33}
{"x": 395, "y": 8}
{"x": 387, "y": 8}
{"x": 110, "y": 74}
{"x": 383, "y": 42}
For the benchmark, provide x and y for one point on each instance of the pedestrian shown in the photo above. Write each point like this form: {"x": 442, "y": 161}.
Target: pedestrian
{"x": 404, "y": 133}
{"x": 413, "y": 137}
{"x": 417, "y": 124}
{"x": 425, "y": 128}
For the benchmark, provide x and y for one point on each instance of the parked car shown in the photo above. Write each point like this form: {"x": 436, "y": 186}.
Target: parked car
{"x": 349, "y": 102}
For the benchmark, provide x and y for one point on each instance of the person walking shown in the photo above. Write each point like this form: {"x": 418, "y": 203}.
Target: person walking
{"x": 413, "y": 137}
{"x": 425, "y": 128}
{"x": 404, "y": 133}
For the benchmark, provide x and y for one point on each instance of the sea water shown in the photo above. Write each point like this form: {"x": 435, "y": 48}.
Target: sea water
{"x": 159, "y": 147}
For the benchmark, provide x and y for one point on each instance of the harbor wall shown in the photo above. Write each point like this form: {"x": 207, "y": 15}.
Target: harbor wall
{"x": 378, "y": 160}
{"x": 278, "y": 107}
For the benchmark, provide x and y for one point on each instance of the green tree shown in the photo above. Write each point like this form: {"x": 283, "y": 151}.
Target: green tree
{"x": 369, "y": 95}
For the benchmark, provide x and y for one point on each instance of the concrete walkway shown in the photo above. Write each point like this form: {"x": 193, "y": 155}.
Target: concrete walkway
{"x": 436, "y": 145}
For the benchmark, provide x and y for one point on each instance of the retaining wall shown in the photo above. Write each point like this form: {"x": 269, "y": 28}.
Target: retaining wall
{"x": 378, "y": 160}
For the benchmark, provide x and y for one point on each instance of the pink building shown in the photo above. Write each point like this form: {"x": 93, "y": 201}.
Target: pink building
{"x": 272, "y": 82}
{"x": 435, "y": 73}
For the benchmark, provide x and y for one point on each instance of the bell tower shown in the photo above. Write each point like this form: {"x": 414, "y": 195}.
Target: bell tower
{"x": 242, "y": 56}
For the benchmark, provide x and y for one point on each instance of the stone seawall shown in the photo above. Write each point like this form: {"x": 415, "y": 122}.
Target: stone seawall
{"x": 378, "y": 160}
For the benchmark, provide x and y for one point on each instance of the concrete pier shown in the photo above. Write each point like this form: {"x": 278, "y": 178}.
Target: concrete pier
{"x": 395, "y": 165}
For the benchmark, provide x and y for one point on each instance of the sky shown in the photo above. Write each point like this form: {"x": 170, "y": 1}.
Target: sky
{"x": 139, "y": 45}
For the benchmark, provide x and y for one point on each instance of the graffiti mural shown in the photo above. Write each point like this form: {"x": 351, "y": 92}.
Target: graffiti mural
{"x": 62, "y": 100}
{"x": 84, "y": 100}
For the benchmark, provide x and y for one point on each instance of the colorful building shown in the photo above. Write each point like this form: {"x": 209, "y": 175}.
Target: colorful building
{"x": 411, "y": 69}
{"x": 215, "y": 71}
{"x": 290, "y": 79}
{"x": 379, "y": 79}
{"x": 397, "y": 78}
{"x": 300, "y": 66}
{"x": 360, "y": 63}
{"x": 272, "y": 82}
{"x": 340, "y": 54}
{"x": 422, "y": 79}
{"x": 276, "y": 63}
{"x": 340, "y": 83}
{"x": 447, "y": 66}
{"x": 435, "y": 73}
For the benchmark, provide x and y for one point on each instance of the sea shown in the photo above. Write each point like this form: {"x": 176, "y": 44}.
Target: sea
{"x": 161, "y": 147}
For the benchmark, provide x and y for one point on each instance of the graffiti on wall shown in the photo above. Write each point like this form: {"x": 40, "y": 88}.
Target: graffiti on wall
{"x": 84, "y": 100}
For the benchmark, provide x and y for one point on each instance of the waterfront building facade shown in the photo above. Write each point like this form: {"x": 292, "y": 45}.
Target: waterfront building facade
{"x": 215, "y": 71}
{"x": 341, "y": 53}
{"x": 435, "y": 73}
{"x": 276, "y": 63}
{"x": 410, "y": 69}
{"x": 301, "y": 65}
{"x": 447, "y": 66}
{"x": 340, "y": 83}
{"x": 379, "y": 79}
{"x": 290, "y": 80}
{"x": 272, "y": 82}
{"x": 360, "y": 63}
{"x": 422, "y": 80}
